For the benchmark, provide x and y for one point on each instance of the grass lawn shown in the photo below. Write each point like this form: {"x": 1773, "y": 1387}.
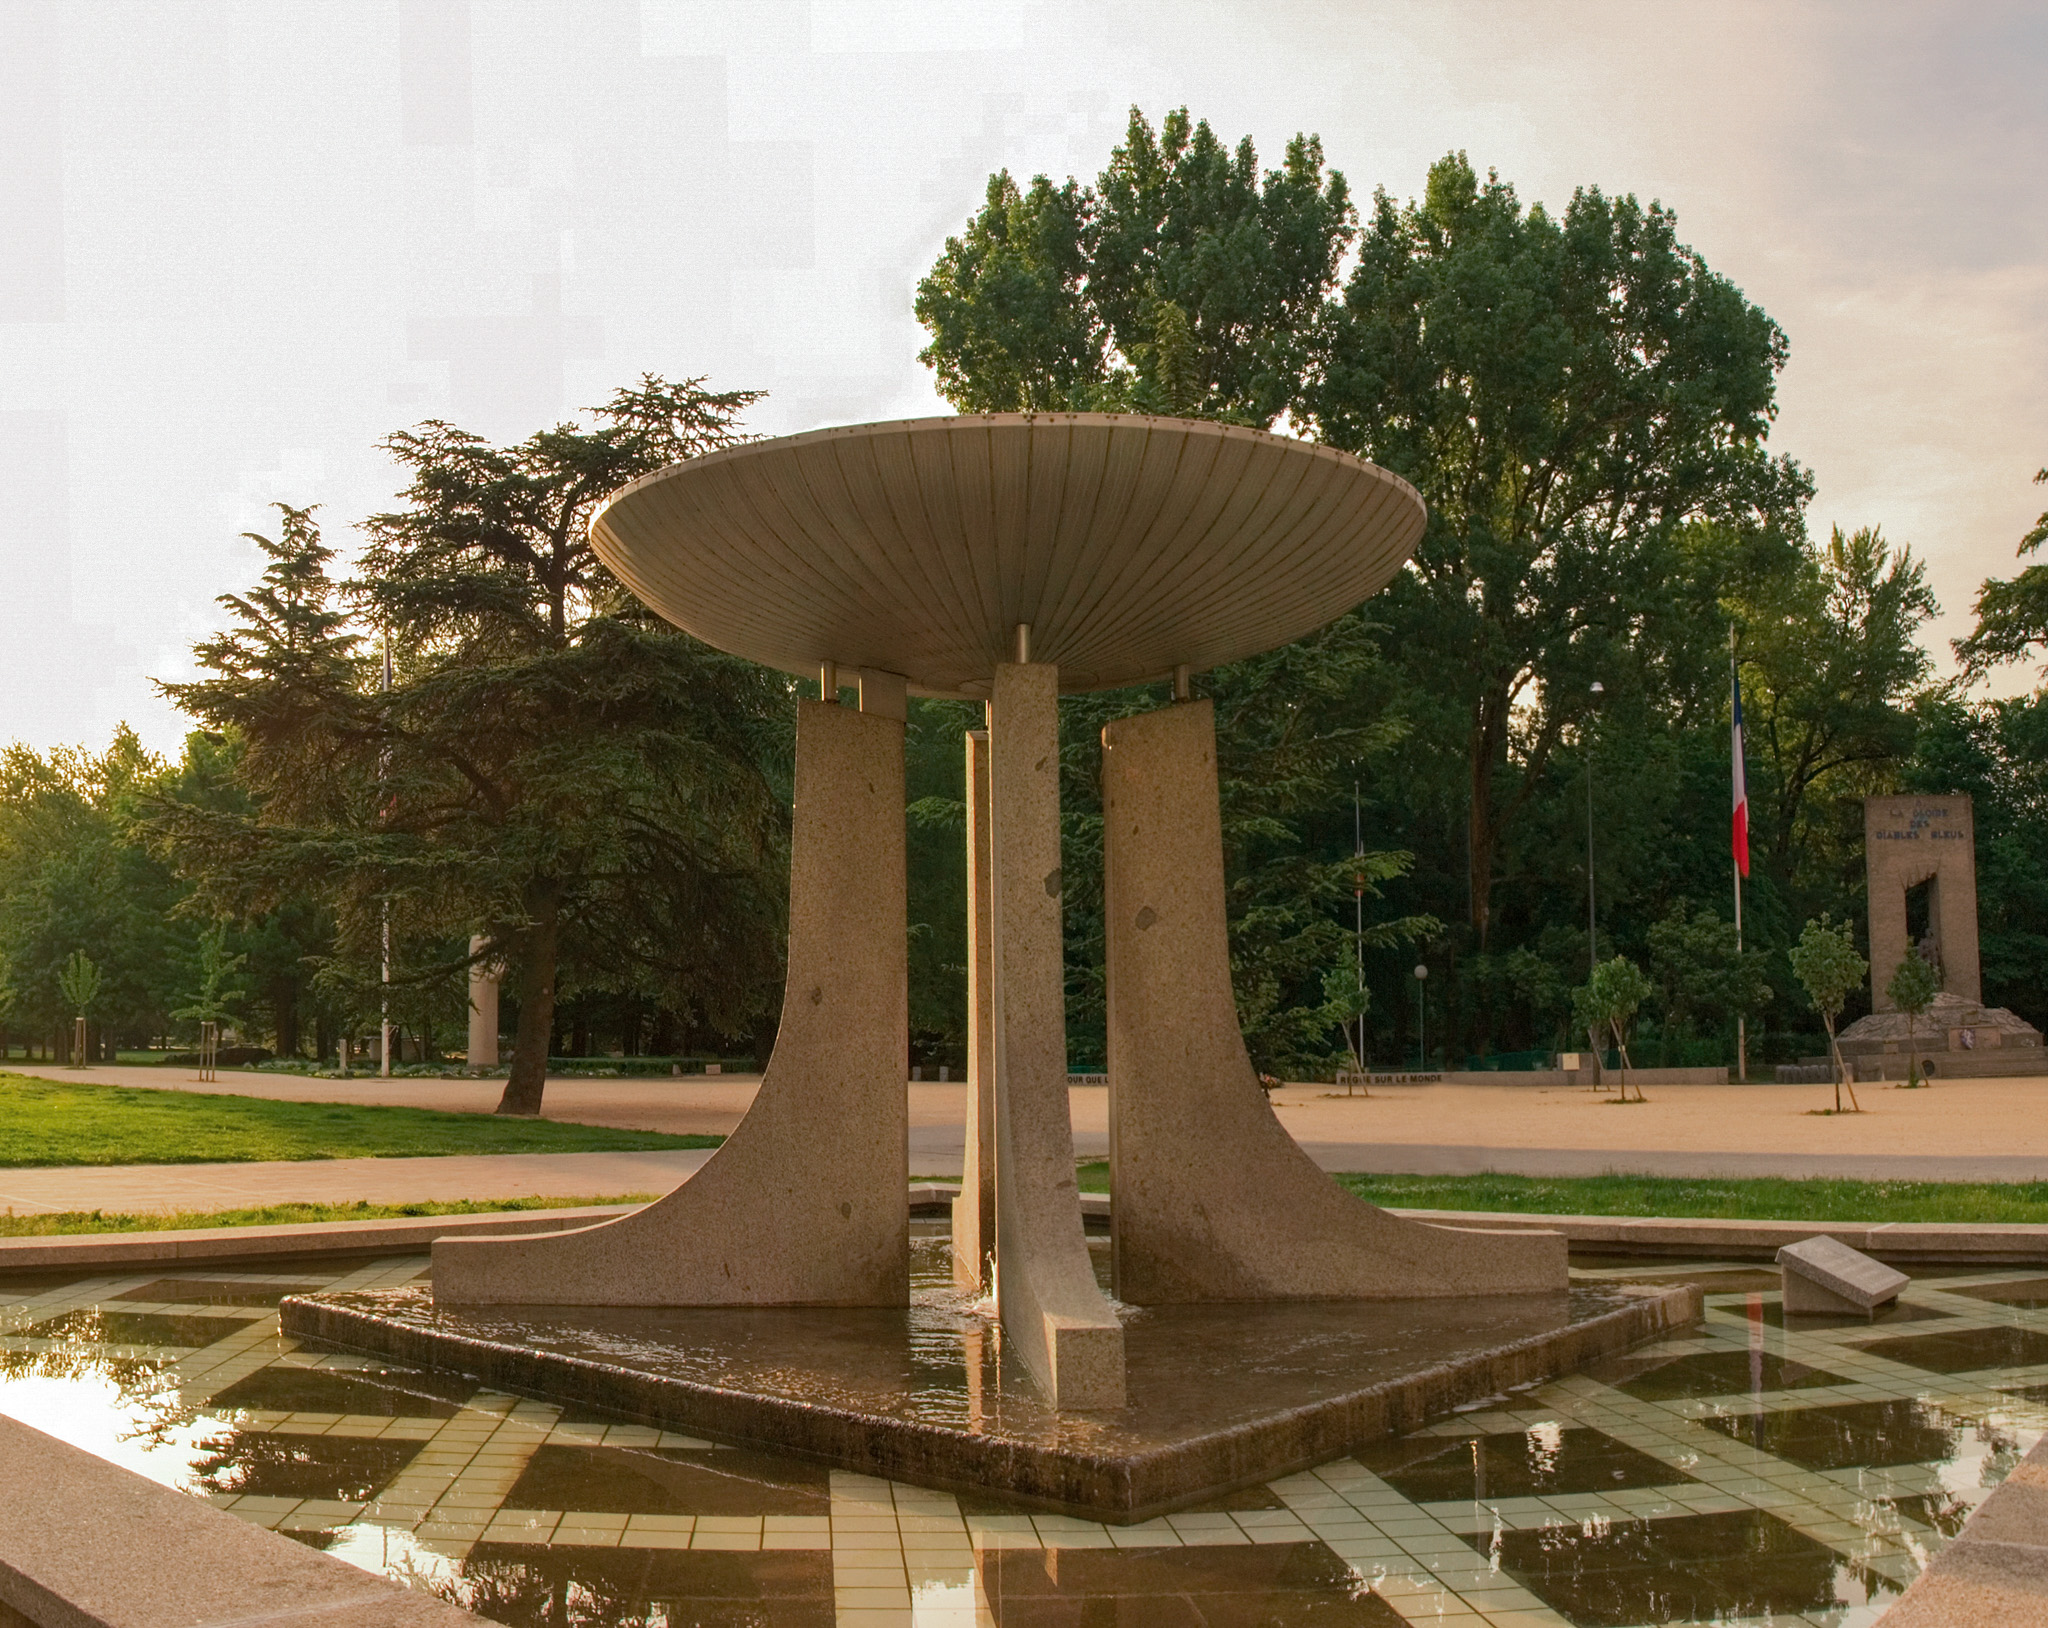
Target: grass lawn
{"x": 53, "y": 1122}
{"x": 1755, "y": 1199}
{"x": 280, "y": 1215}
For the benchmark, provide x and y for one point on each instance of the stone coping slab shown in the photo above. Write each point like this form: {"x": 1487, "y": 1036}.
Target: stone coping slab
{"x": 385, "y": 1236}
{"x": 1925, "y": 1242}
{"x": 1996, "y": 1569}
{"x": 1928, "y": 1243}
{"x": 1221, "y": 1396}
{"x": 87, "y": 1544}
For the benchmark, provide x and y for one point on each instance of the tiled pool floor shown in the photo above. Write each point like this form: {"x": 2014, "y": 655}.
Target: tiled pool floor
{"x": 1747, "y": 1473}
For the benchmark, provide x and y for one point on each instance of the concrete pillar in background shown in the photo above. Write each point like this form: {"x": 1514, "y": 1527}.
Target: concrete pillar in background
{"x": 484, "y": 978}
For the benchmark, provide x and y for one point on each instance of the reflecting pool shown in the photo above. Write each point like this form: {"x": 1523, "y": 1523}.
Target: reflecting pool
{"x": 1760, "y": 1469}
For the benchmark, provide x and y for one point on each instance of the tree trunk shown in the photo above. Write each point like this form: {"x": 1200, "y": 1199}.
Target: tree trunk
{"x": 1480, "y": 837}
{"x": 529, "y": 1072}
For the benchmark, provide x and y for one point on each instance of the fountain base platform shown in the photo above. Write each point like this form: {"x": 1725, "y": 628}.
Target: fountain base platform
{"x": 1220, "y": 1396}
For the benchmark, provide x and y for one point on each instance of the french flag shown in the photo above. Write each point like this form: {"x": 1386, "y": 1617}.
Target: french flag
{"x": 1740, "y": 833}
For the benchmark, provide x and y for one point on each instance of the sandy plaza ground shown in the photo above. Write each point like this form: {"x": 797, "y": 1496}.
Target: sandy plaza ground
{"x": 1959, "y": 1130}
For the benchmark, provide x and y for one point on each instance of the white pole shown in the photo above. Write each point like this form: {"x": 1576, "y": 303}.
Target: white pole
{"x": 1741, "y": 1017}
{"x": 1358, "y": 916}
{"x": 384, "y": 1009}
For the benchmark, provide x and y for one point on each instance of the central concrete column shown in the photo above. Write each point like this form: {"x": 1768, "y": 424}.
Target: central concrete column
{"x": 974, "y": 1211}
{"x": 807, "y": 1202}
{"x": 1212, "y": 1199}
{"x": 483, "y": 1009}
{"x": 1054, "y": 1316}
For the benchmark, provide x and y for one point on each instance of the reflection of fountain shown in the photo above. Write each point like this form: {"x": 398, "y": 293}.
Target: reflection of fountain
{"x": 1009, "y": 559}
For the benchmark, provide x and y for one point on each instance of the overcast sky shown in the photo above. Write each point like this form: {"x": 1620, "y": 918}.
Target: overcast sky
{"x": 241, "y": 242}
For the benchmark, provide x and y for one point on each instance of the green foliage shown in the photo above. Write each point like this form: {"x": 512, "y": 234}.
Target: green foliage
{"x": 60, "y": 1223}
{"x": 1701, "y": 975}
{"x": 1184, "y": 281}
{"x": 1912, "y": 988}
{"x": 1996, "y": 752}
{"x": 216, "y": 999}
{"x": 1831, "y": 665}
{"x": 75, "y": 880}
{"x": 79, "y": 982}
{"x": 552, "y": 766}
{"x": 1608, "y": 1001}
{"x": 43, "y": 1122}
{"x": 2012, "y": 613}
{"x": 1827, "y": 965}
{"x": 1914, "y": 984}
{"x": 1764, "y": 1198}
{"x": 1567, "y": 393}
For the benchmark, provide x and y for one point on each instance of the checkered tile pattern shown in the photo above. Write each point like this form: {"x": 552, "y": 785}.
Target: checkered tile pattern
{"x": 433, "y": 1486}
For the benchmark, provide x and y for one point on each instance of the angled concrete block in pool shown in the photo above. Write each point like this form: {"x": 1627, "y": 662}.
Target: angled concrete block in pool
{"x": 1053, "y": 1313}
{"x": 1213, "y": 1199}
{"x": 1824, "y": 1275}
{"x": 805, "y": 1204}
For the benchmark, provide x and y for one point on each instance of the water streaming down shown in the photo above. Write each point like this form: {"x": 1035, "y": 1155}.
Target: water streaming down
{"x": 1195, "y": 1370}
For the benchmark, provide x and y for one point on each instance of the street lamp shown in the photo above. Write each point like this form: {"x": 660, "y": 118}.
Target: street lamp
{"x": 1421, "y": 1016}
{"x": 1592, "y": 917}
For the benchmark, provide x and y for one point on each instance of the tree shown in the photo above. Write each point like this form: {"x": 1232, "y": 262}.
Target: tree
{"x": 76, "y": 876}
{"x": 1183, "y": 281}
{"x": 213, "y": 1003}
{"x": 1912, "y": 989}
{"x": 1610, "y": 999}
{"x": 1700, "y": 971}
{"x": 80, "y": 984}
{"x": 1831, "y": 667}
{"x": 2012, "y": 613}
{"x": 1567, "y": 393}
{"x": 1996, "y": 751}
{"x": 1826, "y": 963}
{"x": 592, "y": 790}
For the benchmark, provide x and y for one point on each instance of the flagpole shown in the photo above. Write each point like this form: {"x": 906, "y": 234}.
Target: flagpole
{"x": 384, "y": 1010}
{"x": 1735, "y": 865}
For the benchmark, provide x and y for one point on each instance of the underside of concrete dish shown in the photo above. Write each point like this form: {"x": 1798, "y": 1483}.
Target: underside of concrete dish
{"x": 1129, "y": 545}
{"x": 1214, "y": 1200}
{"x": 805, "y": 1204}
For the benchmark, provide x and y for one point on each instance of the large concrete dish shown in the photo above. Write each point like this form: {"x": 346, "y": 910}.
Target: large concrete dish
{"x": 1128, "y": 544}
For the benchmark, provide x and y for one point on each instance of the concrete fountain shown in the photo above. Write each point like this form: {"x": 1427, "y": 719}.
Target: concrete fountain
{"x": 778, "y": 1297}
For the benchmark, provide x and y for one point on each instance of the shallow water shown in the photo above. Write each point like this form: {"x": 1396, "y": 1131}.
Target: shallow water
{"x": 1192, "y": 1370}
{"x": 1750, "y": 1470}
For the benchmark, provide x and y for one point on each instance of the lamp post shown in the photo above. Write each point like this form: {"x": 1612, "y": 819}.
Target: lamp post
{"x": 1358, "y": 917}
{"x": 1592, "y": 915}
{"x": 1421, "y": 1019}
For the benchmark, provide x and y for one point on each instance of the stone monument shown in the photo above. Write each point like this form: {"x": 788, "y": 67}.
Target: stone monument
{"x": 1008, "y": 558}
{"x": 1914, "y": 843}
{"x": 1920, "y": 859}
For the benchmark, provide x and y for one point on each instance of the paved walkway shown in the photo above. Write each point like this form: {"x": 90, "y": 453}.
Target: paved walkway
{"x": 1960, "y": 1130}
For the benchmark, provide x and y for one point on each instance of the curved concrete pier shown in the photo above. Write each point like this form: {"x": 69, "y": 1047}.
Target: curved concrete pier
{"x": 1053, "y": 1313}
{"x": 805, "y": 1204}
{"x": 1213, "y": 1199}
